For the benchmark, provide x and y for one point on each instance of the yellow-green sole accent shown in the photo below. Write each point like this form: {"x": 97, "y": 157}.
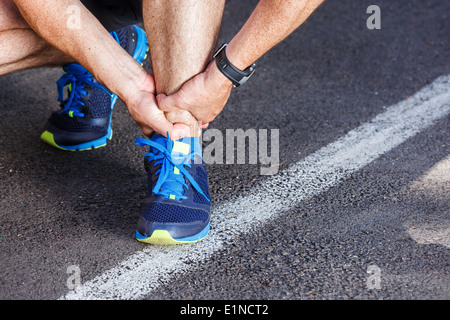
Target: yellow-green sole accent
{"x": 163, "y": 237}
{"x": 48, "y": 138}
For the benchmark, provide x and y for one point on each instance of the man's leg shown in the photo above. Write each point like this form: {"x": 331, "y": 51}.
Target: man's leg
{"x": 21, "y": 47}
{"x": 182, "y": 37}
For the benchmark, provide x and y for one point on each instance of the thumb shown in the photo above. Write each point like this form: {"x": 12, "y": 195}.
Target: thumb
{"x": 180, "y": 130}
{"x": 176, "y": 131}
{"x": 161, "y": 125}
{"x": 169, "y": 103}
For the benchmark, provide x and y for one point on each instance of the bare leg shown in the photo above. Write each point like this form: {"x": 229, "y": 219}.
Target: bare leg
{"x": 21, "y": 47}
{"x": 182, "y": 37}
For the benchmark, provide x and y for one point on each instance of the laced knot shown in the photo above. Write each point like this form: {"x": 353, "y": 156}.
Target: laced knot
{"x": 76, "y": 77}
{"x": 172, "y": 172}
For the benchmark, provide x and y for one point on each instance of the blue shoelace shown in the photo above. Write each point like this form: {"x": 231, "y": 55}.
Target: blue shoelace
{"x": 168, "y": 183}
{"x": 76, "y": 77}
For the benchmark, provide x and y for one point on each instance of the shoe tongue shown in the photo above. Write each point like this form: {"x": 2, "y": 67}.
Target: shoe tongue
{"x": 159, "y": 139}
{"x": 182, "y": 148}
{"x": 74, "y": 68}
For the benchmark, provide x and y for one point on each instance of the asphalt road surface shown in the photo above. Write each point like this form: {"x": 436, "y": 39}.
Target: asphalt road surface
{"x": 359, "y": 207}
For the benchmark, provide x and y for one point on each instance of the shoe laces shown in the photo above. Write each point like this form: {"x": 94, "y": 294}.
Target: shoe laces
{"x": 172, "y": 171}
{"x": 76, "y": 77}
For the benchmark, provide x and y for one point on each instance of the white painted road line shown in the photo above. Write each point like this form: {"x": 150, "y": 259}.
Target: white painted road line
{"x": 154, "y": 266}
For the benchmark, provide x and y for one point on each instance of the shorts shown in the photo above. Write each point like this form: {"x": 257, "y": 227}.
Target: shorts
{"x": 115, "y": 14}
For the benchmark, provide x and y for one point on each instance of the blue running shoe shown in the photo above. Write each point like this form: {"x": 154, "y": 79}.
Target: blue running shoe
{"x": 177, "y": 209}
{"x": 84, "y": 123}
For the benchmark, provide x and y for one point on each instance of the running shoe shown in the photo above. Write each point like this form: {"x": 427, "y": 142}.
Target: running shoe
{"x": 177, "y": 208}
{"x": 84, "y": 121}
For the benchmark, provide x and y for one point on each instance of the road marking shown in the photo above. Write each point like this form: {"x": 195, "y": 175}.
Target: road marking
{"x": 154, "y": 266}
{"x": 435, "y": 183}
{"x": 436, "y": 232}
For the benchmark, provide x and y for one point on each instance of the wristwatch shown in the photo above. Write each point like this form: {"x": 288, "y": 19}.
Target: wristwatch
{"x": 238, "y": 77}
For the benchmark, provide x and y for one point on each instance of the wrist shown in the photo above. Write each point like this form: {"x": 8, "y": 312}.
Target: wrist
{"x": 132, "y": 97}
{"x": 237, "y": 76}
{"x": 236, "y": 56}
{"x": 217, "y": 77}
{"x": 133, "y": 82}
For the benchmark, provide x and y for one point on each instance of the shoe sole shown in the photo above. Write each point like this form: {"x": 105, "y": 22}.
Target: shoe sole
{"x": 163, "y": 237}
{"x": 48, "y": 137}
{"x": 140, "y": 54}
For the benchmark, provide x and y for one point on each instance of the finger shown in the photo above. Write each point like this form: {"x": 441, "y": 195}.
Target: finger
{"x": 162, "y": 126}
{"x": 180, "y": 130}
{"x": 169, "y": 103}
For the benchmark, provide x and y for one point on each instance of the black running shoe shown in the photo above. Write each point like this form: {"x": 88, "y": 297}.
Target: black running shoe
{"x": 84, "y": 123}
{"x": 177, "y": 209}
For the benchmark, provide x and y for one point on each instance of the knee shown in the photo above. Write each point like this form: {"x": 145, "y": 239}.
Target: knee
{"x": 10, "y": 16}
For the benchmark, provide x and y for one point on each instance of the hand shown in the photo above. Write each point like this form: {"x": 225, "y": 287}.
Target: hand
{"x": 143, "y": 108}
{"x": 205, "y": 95}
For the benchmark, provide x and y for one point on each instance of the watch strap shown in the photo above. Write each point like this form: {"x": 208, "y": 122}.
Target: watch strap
{"x": 236, "y": 76}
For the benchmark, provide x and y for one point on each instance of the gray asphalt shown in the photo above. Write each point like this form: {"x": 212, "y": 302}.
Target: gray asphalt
{"x": 59, "y": 209}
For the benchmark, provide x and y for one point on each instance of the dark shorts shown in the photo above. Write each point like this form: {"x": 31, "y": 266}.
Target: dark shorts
{"x": 115, "y": 14}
